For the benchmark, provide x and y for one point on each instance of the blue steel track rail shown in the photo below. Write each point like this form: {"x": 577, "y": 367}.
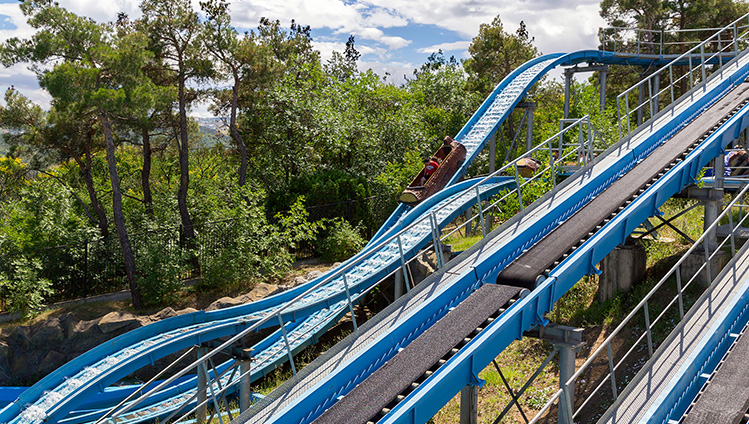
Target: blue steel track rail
{"x": 56, "y": 399}
{"x": 224, "y": 322}
{"x": 463, "y": 368}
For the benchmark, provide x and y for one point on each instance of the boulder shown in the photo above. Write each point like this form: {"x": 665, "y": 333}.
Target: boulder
{"x": 311, "y": 275}
{"x": 20, "y": 337}
{"x": 186, "y": 311}
{"x": 48, "y": 333}
{"x": 261, "y": 291}
{"x": 164, "y": 314}
{"x": 224, "y": 302}
{"x": 52, "y": 361}
{"x": 4, "y": 364}
{"x": 117, "y": 320}
{"x": 297, "y": 281}
{"x": 68, "y": 323}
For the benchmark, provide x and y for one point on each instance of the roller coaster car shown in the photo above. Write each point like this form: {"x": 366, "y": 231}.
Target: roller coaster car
{"x": 452, "y": 154}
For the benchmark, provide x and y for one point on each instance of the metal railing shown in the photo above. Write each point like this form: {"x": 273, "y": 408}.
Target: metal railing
{"x": 581, "y": 151}
{"x": 563, "y": 397}
{"x": 639, "y": 41}
{"x": 728, "y": 42}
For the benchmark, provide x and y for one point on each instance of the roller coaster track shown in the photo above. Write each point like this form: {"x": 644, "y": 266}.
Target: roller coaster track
{"x": 78, "y": 382}
{"x": 512, "y": 240}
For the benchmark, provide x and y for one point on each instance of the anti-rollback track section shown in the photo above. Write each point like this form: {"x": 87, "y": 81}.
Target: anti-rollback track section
{"x": 542, "y": 256}
{"x": 367, "y": 400}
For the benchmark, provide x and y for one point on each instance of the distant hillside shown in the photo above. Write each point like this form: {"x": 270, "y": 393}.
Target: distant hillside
{"x": 213, "y": 131}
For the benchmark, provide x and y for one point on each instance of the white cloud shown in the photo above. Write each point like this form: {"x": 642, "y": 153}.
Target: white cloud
{"x": 395, "y": 42}
{"x": 557, "y": 25}
{"x": 385, "y": 19}
{"x": 446, "y": 47}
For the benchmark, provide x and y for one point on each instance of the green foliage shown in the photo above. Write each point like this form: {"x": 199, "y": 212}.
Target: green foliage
{"x": 247, "y": 247}
{"x": 495, "y": 53}
{"x": 160, "y": 269}
{"x": 343, "y": 241}
{"x": 396, "y": 176}
{"x": 22, "y": 290}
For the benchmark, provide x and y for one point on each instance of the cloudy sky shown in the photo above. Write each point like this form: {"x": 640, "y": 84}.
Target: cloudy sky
{"x": 393, "y": 36}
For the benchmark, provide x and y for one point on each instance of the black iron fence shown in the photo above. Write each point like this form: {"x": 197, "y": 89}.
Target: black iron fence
{"x": 95, "y": 266}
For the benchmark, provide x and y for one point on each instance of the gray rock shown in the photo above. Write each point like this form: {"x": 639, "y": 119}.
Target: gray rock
{"x": 186, "y": 311}
{"x": 117, "y": 320}
{"x": 164, "y": 314}
{"x": 311, "y": 275}
{"x": 261, "y": 291}
{"x": 224, "y": 302}
{"x": 48, "y": 333}
{"x": 20, "y": 337}
{"x": 68, "y": 323}
{"x": 298, "y": 280}
{"x": 52, "y": 361}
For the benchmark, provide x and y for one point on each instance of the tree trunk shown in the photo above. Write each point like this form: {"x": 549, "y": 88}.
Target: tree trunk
{"x": 119, "y": 220}
{"x": 184, "y": 165}
{"x": 89, "y": 180}
{"x": 234, "y": 131}
{"x": 145, "y": 175}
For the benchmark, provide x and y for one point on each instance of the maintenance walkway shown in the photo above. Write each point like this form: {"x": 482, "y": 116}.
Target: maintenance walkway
{"x": 643, "y": 393}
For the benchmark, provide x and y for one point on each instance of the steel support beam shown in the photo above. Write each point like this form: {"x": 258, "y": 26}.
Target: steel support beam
{"x": 493, "y": 153}
{"x": 202, "y": 411}
{"x": 567, "y": 340}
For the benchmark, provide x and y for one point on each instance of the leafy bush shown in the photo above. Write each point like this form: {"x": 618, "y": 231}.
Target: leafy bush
{"x": 159, "y": 273}
{"x": 23, "y": 291}
{"x": 249, "y": 247}
{"x": 342, "y": 242}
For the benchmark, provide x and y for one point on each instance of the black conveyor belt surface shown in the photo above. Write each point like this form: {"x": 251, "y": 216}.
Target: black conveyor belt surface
{"x": 525, "y": 269}
{"x": 379, "y": 389}
{"x": 726, "y": 398}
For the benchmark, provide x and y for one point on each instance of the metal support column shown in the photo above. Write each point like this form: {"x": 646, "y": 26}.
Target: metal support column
{"x": 529, "y": 108}
{"x": 469, "y": 405}
{"x": 245, "y": 392}
{"x": 399, "y": 285}
{"x": 202, "y": 411}
{"x": 469, "y": 223}
{"x": 567, "y": 82}
{"x": 602, "y": 80}
{"x": 493, "y": 153}
{"x": 567, "y": 340}
{"x": 713, "y": 203}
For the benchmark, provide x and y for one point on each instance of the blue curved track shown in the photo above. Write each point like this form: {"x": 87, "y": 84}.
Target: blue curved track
{"x": 463, "y": 368}
{"x": 73, "y": 386}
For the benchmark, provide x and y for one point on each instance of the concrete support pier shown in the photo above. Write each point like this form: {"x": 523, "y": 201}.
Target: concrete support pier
{"x": 469, "y": 405}
{"x": 620, "y": 269}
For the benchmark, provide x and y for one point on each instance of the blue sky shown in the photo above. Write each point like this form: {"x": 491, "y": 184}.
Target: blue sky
{"x": 394, "y": 36}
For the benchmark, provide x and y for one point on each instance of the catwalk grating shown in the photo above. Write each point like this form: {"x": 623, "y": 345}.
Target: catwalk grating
{"x": 559, "y": 243}
{"x": 725, "y": 398}
{"x": 373, "y": 398}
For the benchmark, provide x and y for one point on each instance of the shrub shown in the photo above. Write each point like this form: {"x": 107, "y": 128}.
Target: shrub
{"x": 159, "y": 273}
{"x": 248, "y": 247}
{"x": 23, "y": 291}
{"x": 342, "y": 242}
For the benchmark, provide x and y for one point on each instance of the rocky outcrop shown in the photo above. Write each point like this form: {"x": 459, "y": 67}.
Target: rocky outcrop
{"x": 29, "y": 352}
{"x": 261, "y": 291}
